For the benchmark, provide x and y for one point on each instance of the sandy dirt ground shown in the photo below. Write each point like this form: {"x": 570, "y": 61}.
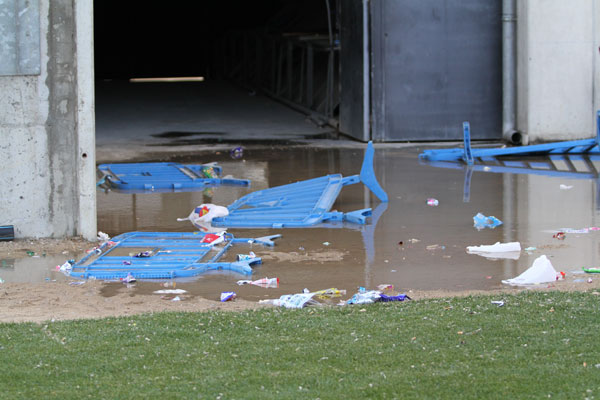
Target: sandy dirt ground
{"x": 31, "y": 302}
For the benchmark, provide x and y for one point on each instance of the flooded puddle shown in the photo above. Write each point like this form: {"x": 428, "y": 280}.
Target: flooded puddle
{"x": 413, "y": 245}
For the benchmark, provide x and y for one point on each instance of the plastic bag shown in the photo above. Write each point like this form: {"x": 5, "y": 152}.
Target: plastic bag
{"x": 541, "y": 271}
{"x": 480, "y": 222}
{"x": 201, "y": 216}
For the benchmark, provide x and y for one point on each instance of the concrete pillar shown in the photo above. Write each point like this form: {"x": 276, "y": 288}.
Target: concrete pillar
{"x": 47, "y": 125}
{"x": 557, "y": 62}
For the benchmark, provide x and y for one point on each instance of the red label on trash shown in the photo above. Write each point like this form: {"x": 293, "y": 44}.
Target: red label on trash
{"x": 211, "y": 237}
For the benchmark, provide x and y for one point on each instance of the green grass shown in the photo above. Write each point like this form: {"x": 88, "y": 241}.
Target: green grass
{"x": 537, "y": 345}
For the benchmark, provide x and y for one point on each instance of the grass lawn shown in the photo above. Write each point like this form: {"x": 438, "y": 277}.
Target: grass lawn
{"x": 538, "y": 345}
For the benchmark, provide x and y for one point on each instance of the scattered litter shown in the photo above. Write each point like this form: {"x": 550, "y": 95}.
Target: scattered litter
{"x": 565, "y": 187}
{"x": 480, "y": 221}
{"x": 227, "y": 296}
{"x": 495, "y": 248}
{"x": 414, "y": 240}
{"x": 400, "y": 297}
{"x": 298, "y": 300}
{"x": 66, "y": 267}
{"x": 128, "y": 279}
{"x": 236, "y": 153}
{"x": 76, "y": 283}
{"x": 103, "y": 237}
{"x": 592, "y": 270}
{"x": 213, "y": 239}
{"x": 170, "y": 291}
{"x": 264, "y": 282}
{"x": 329, "y": 293}
{"x": 499, "y": 303}
{"x": 433, "y": 202}
{"x": 541, "y": 271}
{"x": 578, "y": 280}
{"x": 326, "y": 243}
{"x": 30, "y": 253}
{"x": 202, "y": 215}
{"x": 571, "y": 230}
{"x": 531, "y": 249}
{"x": 559, "y": 235}
{"x": 372, "y": 296}
{"x": 385, "y": 286}
{"x": 245, "y": 257}
{"x": 1, "y": 280}
{"x": 510, "y": 250}
{"x": 144, "y": 254}
{"x": 435, "y": 247}
{"x": 176, "y": 298}
{"x": 589, "y": 280}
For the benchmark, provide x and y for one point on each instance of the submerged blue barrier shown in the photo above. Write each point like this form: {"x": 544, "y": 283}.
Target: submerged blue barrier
{"x": 160, "y": 177}
{"x": 302, "y": 204}
{"x": 469, "y": 155}
{"x": 164, "y": 255}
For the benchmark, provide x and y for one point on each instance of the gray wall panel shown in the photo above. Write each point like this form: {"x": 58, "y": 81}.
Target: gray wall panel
{"x": 19, "y": 37}
{"x": 437, "y": 63}
{"x": 352, "y": 72}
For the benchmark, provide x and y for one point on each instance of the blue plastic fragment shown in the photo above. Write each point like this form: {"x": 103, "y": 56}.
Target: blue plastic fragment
{"x": 401, "y": 297}
{"x": 301, "y": 204}
{"x": 169, "y": 255}
{"x": 480, "y": 221}
{"x": 468, "y": 154}
{"x": 144, "y": 177}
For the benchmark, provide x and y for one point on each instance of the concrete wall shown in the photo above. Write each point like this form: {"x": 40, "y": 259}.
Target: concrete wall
{"x": 558, "y": 68}
{"x": 47, "y": 127}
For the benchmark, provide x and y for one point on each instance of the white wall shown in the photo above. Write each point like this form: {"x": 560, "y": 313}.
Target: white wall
{"x": 558, "y": 76}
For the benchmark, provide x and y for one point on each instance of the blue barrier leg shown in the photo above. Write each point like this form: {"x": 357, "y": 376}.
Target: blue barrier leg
{"x": 367, "y": 174}
{"x": 468, "y": 156}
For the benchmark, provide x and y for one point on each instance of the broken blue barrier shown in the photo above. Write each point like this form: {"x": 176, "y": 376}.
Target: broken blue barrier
{"x": 480, "y": 222}
{"x": 170, "y": 255}
{"x": 302, "y": 204}
{"x": 468, "y": 155}
{"x": 160, "y": 177}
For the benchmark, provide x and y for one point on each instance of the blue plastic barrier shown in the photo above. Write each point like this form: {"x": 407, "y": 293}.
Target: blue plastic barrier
{"x": 468, "y": 154}
{"x": 144, "y": 177}
{"x": 302, "y": 204}
{"x": 169, "y": 255}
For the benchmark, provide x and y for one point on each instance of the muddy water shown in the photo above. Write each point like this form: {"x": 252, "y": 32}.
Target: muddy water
{"x": 409, "y": 244}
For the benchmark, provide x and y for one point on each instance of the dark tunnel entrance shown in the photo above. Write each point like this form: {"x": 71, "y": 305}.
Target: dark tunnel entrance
{"x": 253, "y": 58}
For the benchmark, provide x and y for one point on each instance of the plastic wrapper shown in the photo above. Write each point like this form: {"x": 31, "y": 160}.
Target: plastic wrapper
{"x": 480, "y": 222}
{"x": 227, "y": 296}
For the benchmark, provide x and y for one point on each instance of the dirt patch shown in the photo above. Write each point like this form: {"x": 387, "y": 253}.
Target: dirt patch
{"x": 38, "y": 302}
{"x": 294, "y": 256}
{"x": 20, "y": 247}
{"x": 26, "y": 302}
{"x": 59, "y": 301}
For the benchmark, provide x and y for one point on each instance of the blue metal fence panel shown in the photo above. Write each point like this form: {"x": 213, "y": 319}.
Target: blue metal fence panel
{"x": 166, "y": 255}
{"x": 141, "y": 177}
